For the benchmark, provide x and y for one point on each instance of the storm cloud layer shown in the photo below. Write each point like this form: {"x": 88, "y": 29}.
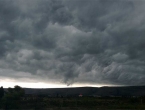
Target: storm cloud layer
{"x": 73, "y": 41}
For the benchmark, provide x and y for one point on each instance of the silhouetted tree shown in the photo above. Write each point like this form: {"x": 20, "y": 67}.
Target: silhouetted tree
{"x": 1, "y": 92}
{"x": 13, "y": 96}
{"x": 15, "y": 93}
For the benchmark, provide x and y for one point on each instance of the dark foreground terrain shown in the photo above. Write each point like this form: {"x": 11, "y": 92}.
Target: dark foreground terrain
{"x": 78, "y": 103}
{"x": 114, "y": 98}
{"x": 90, "y": 91}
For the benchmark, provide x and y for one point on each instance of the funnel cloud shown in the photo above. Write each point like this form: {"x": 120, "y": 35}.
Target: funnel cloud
{"x": 73, "y": 41}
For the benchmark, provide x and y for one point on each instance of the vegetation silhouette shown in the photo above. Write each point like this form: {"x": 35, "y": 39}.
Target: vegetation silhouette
{"x": 11, "y": 97}
{"x": 16, "y": 98}
{"x": 1, "y": 92}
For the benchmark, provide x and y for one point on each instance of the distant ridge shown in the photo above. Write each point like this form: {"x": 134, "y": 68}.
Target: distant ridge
{"x": 90, "y": 91}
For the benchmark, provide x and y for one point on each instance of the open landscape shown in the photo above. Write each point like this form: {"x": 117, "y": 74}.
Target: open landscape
{"x": 82, "y": 98}
{"x": 72, "y": 54}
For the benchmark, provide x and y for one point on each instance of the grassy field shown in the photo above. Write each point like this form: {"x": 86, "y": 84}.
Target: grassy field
{"x": 76, "y": 103}
{"x": 86, "y": 103}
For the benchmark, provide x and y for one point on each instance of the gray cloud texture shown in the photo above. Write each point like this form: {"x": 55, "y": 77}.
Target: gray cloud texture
{"x": 73, "y": 41}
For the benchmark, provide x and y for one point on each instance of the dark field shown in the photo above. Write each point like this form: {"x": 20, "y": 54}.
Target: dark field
{"x": 114, "y": 98}
{"x": 77, "y": 103}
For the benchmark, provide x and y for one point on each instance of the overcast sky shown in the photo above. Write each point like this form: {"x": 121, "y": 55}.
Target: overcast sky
{"x": 68, "y": 42}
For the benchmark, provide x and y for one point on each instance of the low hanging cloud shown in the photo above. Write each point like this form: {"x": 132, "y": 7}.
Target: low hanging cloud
{"x": 94, "y": 42}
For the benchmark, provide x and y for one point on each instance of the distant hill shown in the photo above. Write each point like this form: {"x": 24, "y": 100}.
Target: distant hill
{"x": 90, "y": 91}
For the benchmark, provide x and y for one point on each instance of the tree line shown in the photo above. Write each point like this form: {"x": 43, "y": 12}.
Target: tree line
{"x": 10, "y": 98}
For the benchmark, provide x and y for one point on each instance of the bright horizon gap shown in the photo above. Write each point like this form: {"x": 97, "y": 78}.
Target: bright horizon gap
{"x": 45, "y": 85}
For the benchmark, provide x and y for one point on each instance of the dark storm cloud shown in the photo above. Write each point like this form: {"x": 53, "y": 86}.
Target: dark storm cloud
{"x": 99, "y": 13}
{"x": 89, "y": 41}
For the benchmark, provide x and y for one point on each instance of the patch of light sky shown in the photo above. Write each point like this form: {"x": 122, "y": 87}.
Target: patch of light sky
{"x": 6, "y": 83}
